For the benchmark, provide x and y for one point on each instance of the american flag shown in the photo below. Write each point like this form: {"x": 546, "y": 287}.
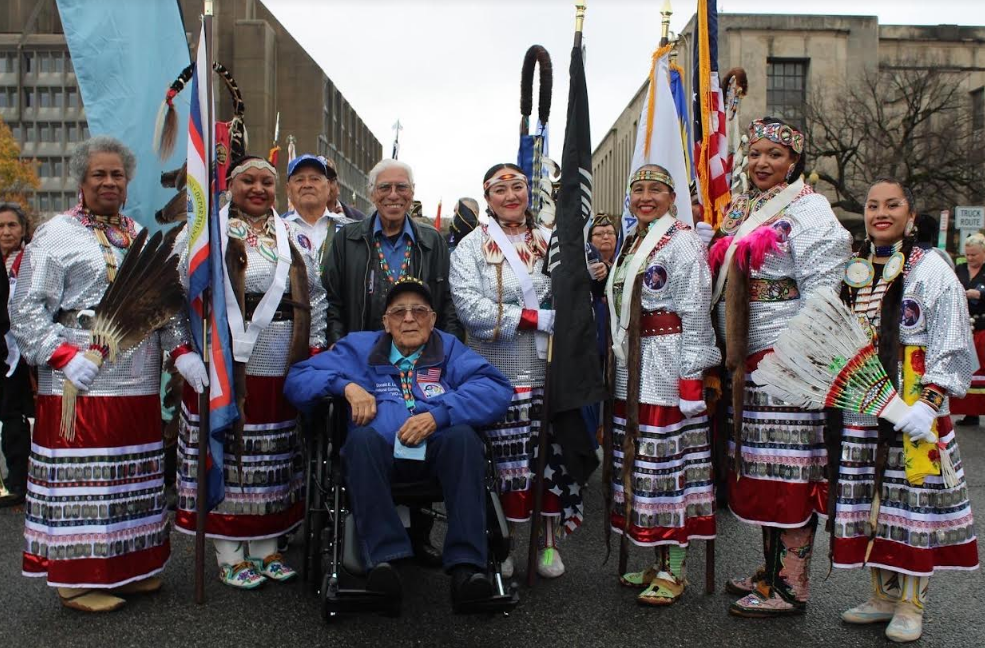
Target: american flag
{"x": 429, "y": 375}
{"x": 712, "y": 165}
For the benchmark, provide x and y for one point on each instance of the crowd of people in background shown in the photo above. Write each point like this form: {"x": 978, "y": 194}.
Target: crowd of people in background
{"x": 327, "y": 301}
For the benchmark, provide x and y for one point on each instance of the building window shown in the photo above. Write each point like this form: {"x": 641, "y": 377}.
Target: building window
{"x": 72, "y": 98}
{"x": 16, "y": 130}
{"x": 72, "y": 132}
{"x": 28, "y": 97}
{"x": 44, "y": 62}
{"x": 85, "y": 131}
{"x": 8, "y": 97}
{"x": 786, "y": 89}
{"x": 978, "y": 109}
{"x": 57, "y": 167}
{"x": 57, "y": 98}
{"x": 56, "y": 133}
{"x": 28, "y": 62}
{"x": 8, "y": 62}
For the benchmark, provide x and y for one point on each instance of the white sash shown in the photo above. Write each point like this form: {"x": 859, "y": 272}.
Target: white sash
{"x": 620, "y": 326}
{"x": 245, "y": 336}
{"x": 526, "y": 283}
{"x": 763, "y": 214}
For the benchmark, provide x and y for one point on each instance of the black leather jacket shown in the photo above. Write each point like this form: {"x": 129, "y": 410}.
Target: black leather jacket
{"x": 356, "y": 294}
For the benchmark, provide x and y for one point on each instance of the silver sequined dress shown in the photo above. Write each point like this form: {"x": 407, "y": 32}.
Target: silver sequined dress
{"x": 921, "y": 527}
{"x": 493, "y": 328}
{"x": 783, "y": 457}
{"x": 95, "y": 512}
{"x": 269, "y": 501}
{"x": 673, "y": 485}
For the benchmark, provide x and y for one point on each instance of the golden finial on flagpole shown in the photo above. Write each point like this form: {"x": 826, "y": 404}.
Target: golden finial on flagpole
{"x": 665, "y": 14}
{"x": 579, "y": 16}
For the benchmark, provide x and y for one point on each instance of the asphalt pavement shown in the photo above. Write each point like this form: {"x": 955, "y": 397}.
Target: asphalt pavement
{"x": 585, "y": 607}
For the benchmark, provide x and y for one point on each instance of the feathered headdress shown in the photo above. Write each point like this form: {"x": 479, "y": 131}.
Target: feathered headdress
{"x": 146, "y": 294}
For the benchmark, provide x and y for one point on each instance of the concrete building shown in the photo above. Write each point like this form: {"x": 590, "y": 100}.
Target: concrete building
{"x": 786, "y": 57}
{"x": 40, "y": 99}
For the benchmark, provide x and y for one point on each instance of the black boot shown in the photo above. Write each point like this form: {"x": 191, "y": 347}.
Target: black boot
{"x": 968, "y": 421}
{"x": 468, "y": 585}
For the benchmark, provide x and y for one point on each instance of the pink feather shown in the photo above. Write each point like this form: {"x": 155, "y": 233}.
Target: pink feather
{"x": 716, "y": 256}
{"x": 752, "y": 250}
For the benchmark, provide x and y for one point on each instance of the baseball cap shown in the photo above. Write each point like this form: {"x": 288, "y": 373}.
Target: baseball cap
{"x": 312, "y": 161}
{"x": 406, "y": 285}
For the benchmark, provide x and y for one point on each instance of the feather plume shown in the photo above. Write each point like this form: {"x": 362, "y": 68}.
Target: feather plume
{"x": 716, "y": 255}
{"x": 751, "y": 251}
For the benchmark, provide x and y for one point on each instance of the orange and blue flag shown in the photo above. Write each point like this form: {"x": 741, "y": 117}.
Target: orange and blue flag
{"x": 711, "y": 159}
{"x": 206, "y": 279}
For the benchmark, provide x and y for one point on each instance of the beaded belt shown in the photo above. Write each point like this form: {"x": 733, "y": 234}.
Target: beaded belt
{"x": 773, "y": 290}
{"x": 659, "y": 323}
{"x": 284, "y": 312}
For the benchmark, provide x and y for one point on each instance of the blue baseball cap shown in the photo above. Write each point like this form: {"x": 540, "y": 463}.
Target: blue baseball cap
{"x": 315, "y": 161}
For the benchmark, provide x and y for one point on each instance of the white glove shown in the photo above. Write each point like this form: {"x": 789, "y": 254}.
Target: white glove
{"x": 917, "y": 421}
{"x": 81, "y": 371}
{"x": 545, "y": 321}
{"x": 691, "y": 408}
{"x": 192, "y": 369}
{"x": 705, "y": 231}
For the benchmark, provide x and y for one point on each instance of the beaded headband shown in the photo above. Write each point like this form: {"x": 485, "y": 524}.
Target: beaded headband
{"x": 252, "y": 163}
{"x": 500, "y": 179}
{"x": 650, "y": 174}
{"x": 778, "y": 133}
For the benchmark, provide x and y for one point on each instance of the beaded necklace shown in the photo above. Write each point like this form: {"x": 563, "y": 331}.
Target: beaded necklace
{"x": 263, "y": 240}
{"x": 111, "y": 231}
{"x": 404, "y": 266}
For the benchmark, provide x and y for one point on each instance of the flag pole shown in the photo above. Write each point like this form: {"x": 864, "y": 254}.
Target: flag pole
{"x": 536, "y": 517}
{"x": 201, "y": 494}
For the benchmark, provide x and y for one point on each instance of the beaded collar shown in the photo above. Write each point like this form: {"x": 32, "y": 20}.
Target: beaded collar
{"x": 111, "y": 231}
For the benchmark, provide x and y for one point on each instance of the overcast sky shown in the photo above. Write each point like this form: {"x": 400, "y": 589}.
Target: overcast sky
{"x": 450, "y": 69}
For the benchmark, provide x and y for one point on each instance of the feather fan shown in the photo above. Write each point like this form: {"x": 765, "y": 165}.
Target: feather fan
{"x": 146, "y": 294}
{"x": 826, "y": 359}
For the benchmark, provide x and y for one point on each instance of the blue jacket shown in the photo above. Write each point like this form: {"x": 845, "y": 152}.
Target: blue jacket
{"x": 451, "y": 381}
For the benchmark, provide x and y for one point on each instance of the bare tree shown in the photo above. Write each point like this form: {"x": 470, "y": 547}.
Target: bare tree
{"x": 910, "y": 123}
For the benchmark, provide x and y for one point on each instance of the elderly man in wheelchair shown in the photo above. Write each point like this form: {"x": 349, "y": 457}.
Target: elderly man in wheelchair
{"x": 416, "y": 396}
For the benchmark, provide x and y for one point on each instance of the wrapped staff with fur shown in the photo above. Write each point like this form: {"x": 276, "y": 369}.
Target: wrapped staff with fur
{"x": 543, "y": 172}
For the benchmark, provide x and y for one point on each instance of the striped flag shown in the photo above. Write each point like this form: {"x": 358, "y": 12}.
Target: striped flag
{"x": 711, "y": 159}
{"x": 206, "y": 270}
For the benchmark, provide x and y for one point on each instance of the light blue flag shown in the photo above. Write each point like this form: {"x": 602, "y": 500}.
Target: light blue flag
{"x": 126, "y": 54}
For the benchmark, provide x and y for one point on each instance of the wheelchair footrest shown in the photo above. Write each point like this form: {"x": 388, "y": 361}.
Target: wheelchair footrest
{"x": 501, "y": 603}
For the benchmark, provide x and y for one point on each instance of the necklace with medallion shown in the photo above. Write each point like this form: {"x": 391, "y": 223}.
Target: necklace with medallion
{"x": 117, "y": 231}
{"x": 385, "y": 266}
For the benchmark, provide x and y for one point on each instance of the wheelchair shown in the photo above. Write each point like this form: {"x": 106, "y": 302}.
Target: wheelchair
{"x": 332, "y": 563}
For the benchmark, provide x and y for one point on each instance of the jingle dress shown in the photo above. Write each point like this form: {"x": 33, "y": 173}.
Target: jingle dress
{"x": 781, "y": 482}
{"x": 673, "y": 486}
{"x": 489, "y": 302}
{"x": 95, "y": 511}
{"x": 268, "y": 502}
{"x": 927, "y": 526}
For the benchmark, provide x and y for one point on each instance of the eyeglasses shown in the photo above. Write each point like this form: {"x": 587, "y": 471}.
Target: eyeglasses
{"x": 419, "y": 312}
{"x": 402, "y": 188}
{"x": 603, "y": 233}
